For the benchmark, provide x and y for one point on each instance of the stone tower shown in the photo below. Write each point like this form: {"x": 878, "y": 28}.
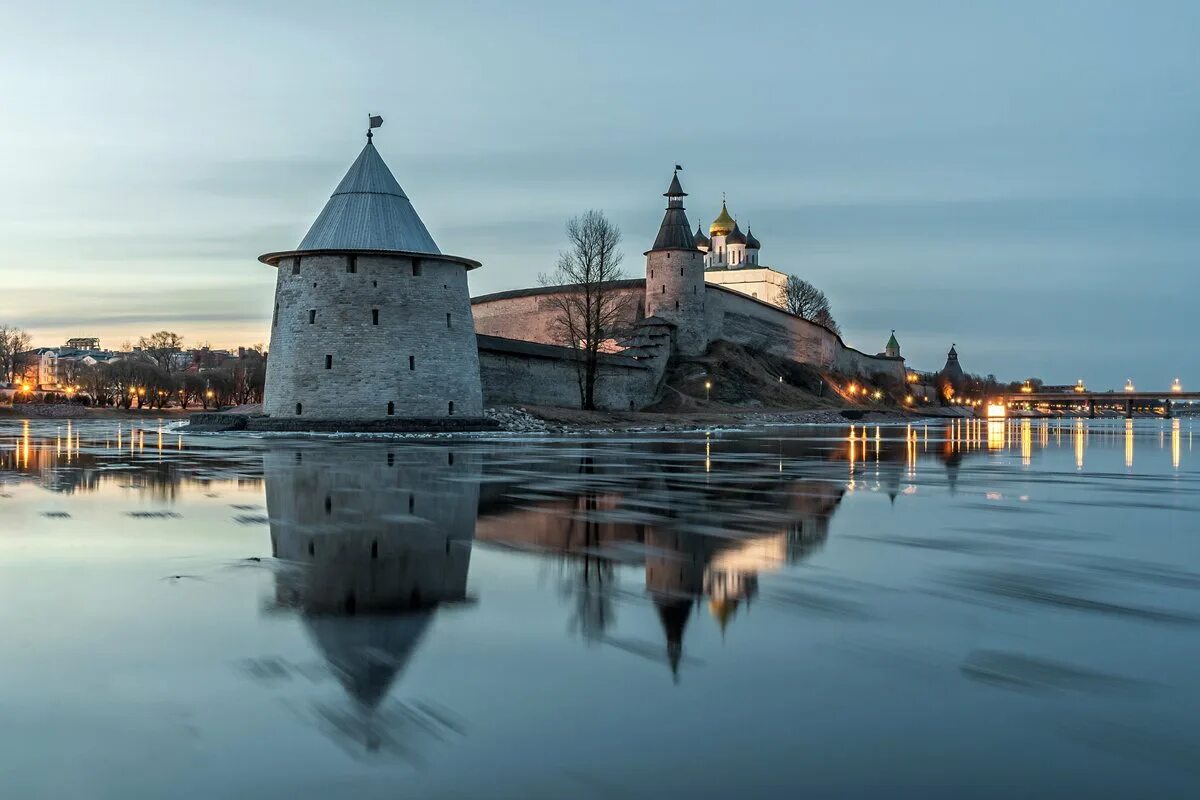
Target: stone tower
{"x": 675, "y": 276}
{"x": 372, "y": 321}
{"x": 953, "y": 371}
{"x": 892, "y": 349}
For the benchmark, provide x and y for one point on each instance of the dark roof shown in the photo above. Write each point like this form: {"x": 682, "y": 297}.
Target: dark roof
{"x": 735, "y": 236}
{"x": 751, "y": 242}
{"x": 700, "y": 240}
{"x": 675, "y": 233}
{"x": 675, "y": 190}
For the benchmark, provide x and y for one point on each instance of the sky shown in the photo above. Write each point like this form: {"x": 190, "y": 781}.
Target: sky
{"x": 1017, "y": 178}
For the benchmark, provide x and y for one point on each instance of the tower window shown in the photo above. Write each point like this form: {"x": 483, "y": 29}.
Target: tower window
{"x": 416, "y": 267}
{"x": 391, "y": 412}
{"x": 328, "y": 362}
{"x": 275, "y": 316}
{"x": 676, "y": 305}
{"x": 312, "y": 316}
{"x": 651, "y": 274}
{"x": 447, "y": 320}
{"x": 412, "y": 362}
{"x": 296, "y": 265}
{"x": 374, "y": 316}
{"x": 681, "y": 272}
{"x": 352, "y": 264}
{"x": 664, "y": 287}
{"x": 451, "y": 408}
{"x": 299, "y": 408}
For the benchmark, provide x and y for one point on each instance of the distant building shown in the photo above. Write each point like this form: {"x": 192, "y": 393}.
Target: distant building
{"x": 731, "y": 260}
{"x": 83, "y": 343}
{"x": 952, "y": 372}
{"x": 892, "y": 348}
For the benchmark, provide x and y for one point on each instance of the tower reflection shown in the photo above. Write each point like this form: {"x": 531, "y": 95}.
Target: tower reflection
{"x": 373, "y": 542}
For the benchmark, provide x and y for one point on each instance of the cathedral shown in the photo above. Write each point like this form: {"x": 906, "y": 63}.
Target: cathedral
{"x": 731, "y": 260}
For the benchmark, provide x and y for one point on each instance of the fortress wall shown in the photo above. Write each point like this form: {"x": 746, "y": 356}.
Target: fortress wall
{"x": 734, "y": 317}
{"x": 370, "y": 362}
{"x": 516, "y": 372}
{"x": 529, "y": 315}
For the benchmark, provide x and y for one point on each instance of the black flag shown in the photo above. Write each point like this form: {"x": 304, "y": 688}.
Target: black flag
{"x": 375, "y": 122}
{"x": 677, "y": 167}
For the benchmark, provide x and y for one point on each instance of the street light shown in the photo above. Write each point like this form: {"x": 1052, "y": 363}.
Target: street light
{"x": 707, "y": 390}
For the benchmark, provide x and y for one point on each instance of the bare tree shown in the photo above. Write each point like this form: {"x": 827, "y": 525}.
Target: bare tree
{"x": 161, "y": 347}
{"x": 589, "y": 309}
{"x": 13, "y": 342}
{"x": 808, "y": 302}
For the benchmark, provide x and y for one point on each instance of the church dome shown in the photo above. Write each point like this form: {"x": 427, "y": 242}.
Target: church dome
{"x": 751, "y": 242}
{"x": 723, "y": 224}
{"x": 736, "y": 236}
{"x": 700, "y": 239}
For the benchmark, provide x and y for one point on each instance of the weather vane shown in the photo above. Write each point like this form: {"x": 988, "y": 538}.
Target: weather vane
{"x": 373, "y": 121}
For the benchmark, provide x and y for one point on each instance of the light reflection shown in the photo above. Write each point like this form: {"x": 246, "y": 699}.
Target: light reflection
{"x": 1175, "y": 444}
{"x": 1026, "y": 442}
{"x": 995, "y": 434}
{"x": 1079, "y": 434}
{"x": 1128, "y": 443}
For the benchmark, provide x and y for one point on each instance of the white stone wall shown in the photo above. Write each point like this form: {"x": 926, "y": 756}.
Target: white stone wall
{"x": 371, "y": 362}
{"x": 762, "y": 283}
{"x": 675, "y": 292}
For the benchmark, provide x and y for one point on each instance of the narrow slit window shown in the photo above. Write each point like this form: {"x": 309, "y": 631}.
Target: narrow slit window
{"x": 312, "y": 316}
{"x": 296, "y": 265}
{"x": 391, "y": 412}
{"x": 681, "y": 272}
{"x": 416, "y": 267}
{"x": 275, "y": 316}
{"x": 448, "y": 321}
{"x": 299, "y": 408}
{"x": 352, "y": 264}
{"x": 412, "y": 362}
{"x": 451, "y": 408}
{"x": 328, "y": 362}
{"x": 676, "y": 305}
{"x": 374, "y": 316}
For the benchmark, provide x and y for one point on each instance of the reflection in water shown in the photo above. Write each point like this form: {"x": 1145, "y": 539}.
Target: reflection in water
{"x": 1129, "y": 443}
{"x": 375, "y": 542}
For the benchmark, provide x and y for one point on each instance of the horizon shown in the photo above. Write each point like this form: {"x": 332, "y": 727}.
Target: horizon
{"x": 958, "y": 175}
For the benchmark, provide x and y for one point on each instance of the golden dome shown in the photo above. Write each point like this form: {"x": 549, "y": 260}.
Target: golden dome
{"x": 723, "y": 224}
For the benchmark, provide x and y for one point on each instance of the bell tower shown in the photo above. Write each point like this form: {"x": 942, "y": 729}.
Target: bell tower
{"x": 675, "y": 276}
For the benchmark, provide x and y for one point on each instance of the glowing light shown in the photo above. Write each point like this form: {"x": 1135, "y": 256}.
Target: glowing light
{"x": 1079, "y": 387}
{"x": 1128, "y": 443}
{"x": 908, "y": 400}
{"x": 995, "y": 434}
{"x": 1175, "y": 444}
{"x": 1129, "y": 385}
{"x": 25, "y": 387}
{"x": 878, "y": 395}
{"x": 996, "y": 410}
{"x": 1176, "y": 386}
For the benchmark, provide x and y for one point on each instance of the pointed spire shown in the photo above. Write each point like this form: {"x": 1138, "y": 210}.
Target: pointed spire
{"x": 700, "y": 240}
{"x": 675, "y": 232}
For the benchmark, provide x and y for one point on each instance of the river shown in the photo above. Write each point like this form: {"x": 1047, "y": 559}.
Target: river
{"x": 963, "y": 609}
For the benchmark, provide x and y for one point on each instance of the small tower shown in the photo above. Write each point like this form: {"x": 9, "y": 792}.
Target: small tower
{"x": 721, "y": 227}
{"x": 735, "y": 247}
{"x": 701, "y": 241}
{"x": 952, "y": 371}
{"x": 372, "y": 321}
{"x": 893, "y": 347}
{"x": 675, "y": 276}
{"x": 752, "y": 248}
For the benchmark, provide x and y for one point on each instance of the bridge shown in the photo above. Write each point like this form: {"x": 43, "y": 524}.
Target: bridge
{"x": 1122, "y": 401}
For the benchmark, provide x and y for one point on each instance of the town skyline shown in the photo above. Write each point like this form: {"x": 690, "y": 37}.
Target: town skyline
{"x": 927, "y": 184}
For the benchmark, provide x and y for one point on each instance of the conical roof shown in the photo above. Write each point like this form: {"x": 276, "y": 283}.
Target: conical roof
{"x": 751, "y": 242}
{"x": 369, "y": 211}
{"x": 700, "y": 240}
{"x": 892, "y": 344}
{"x": 723, "y": 224}
{"x": 675, "y": 190}
{"x": 675, "y": 232}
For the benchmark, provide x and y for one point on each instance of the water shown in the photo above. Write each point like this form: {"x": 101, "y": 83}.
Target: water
{"x": 952, "y": 610}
